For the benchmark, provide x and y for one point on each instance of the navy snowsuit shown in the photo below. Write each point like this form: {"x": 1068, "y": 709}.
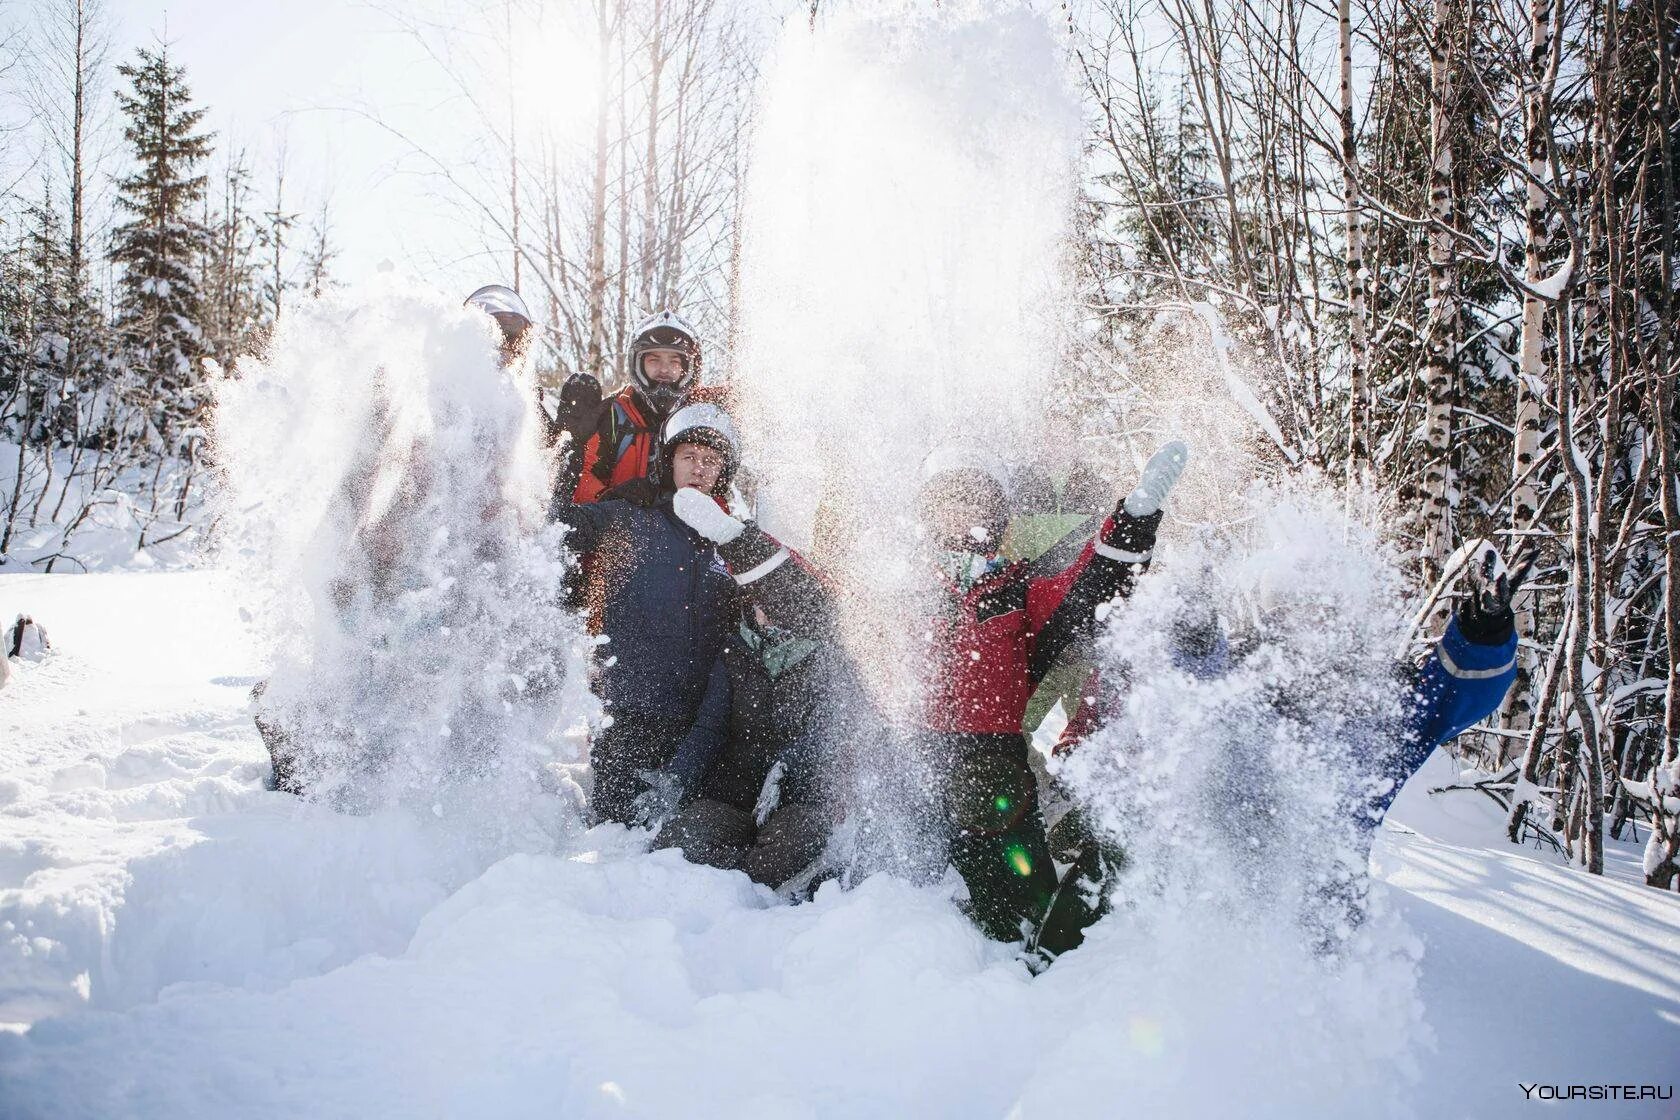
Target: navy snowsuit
{"x": 663, "y": 598}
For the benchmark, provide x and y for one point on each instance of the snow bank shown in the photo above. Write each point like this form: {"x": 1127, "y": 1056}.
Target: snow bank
{"x": 66, "y": 524}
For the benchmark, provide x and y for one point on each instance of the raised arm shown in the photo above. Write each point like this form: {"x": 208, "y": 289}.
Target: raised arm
{"x": 777, "y": 579}
{"x": 1062, "y": 609}
{"x": 1463, "y": 680}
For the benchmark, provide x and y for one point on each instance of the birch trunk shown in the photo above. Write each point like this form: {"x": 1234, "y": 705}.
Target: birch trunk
{"x": 1440, "y": 342}
{"x": 1359, "y": 405}
{"x": 597, "y": 266}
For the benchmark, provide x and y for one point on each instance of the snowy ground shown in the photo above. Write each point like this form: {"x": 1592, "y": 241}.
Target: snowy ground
{"x": 175, "y": 942}
{"x": 109, "y": 534}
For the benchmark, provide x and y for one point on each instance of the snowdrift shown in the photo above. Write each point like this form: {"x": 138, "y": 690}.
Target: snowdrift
{"x": 185, "y": 943}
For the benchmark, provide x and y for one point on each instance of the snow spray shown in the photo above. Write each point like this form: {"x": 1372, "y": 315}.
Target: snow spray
{"x": 1229, "y": 772}
{"x": 911, "y": 186}
{"x": 384, "y": 490}
{"x": 907, "y": 209}
{"x": 904, "y": 288}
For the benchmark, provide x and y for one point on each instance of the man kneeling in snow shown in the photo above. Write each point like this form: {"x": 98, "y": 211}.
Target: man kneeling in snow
{"x": 768, "y": 800}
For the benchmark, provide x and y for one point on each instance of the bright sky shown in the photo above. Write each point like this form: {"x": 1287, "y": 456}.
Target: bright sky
{"x": 273, "y": 72}
{"x": 310, "y": 74}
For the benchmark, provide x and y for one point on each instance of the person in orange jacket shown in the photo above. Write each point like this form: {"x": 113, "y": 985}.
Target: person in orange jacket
{"x": 619, "y": 435}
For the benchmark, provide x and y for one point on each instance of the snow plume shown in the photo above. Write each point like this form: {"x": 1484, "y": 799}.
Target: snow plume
{"x": 1181, "y": 375}
{"x": 384, "y": 489}
{"x": 1230, "y": 781}
{"x": 906, "y": 214}
{"x": 905, "y": 242}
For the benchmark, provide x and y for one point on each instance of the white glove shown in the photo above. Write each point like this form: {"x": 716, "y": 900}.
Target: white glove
{"x": 659, "y": 800}
{"x": 1160, "y": 475}
{"x": 771, "y": 795}
{"x": 705, "y": 516}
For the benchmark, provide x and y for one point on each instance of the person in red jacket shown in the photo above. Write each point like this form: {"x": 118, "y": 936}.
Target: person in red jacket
{"x": 993, "y": 628}
{"x": 619, "y": 435}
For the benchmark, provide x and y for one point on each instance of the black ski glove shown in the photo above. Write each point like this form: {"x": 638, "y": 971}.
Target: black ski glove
{"x": 747, "y": 551}
{"x": 1132, "y": 534}
{"x": 1485, "y": 615}
{"x": 580, "y": 407}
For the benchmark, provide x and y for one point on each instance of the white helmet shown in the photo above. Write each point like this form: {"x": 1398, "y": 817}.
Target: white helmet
{"x": 503, "y": 304}
{"x": 966, "y": 457}
{"x": 705, "y": 424}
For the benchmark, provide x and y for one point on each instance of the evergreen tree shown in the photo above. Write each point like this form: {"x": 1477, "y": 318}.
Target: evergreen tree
{"x": 48, "y": 268}
{"x": 159, "y": 300}
{"x": 15, "y": 331}
{"x": 319, "y": 257}
{"x": 233, "y": 307}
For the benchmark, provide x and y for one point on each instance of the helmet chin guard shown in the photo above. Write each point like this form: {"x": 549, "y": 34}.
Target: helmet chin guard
{"x": 664, "y": 397}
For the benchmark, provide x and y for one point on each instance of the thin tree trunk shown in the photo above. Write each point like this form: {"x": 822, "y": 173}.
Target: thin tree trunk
{"x": 1528, "y": 778}
{"x": 1540, "y": 77}
{"x": 657, "y": 55}
{"x": 1591, "y": 759}
{"x": 1440, "y": 377}
{"x": 1359, "y": 405}
{"x": 513, "y": 146}
{"x": 597, "y": 301}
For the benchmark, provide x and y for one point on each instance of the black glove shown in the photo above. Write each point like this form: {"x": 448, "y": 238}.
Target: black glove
{"x": 662, "y": 794}
{"x": 1485, "y": 615}
{"x": 637, "y": 491}
{"x": 580, "y": 406}
{"x": 1131, "y": 533}
{"x": 747, "y": 551}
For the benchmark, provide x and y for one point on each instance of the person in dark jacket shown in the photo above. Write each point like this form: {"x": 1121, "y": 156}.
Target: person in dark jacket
{"x": 659, "y": 593}
{"x": 994, "y": 628}
{"x": 768, "y": 801}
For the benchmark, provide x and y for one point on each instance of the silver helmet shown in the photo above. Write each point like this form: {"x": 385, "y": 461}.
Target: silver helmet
{"x": 503, "y": 304}
{"x": 707, "y": 425}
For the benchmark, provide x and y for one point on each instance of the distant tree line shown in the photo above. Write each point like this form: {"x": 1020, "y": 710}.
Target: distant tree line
{"x": 113, "y": 315}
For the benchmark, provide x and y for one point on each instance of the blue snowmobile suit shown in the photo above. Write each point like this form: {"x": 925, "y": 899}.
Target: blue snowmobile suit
{"x": 1462, "y": 682}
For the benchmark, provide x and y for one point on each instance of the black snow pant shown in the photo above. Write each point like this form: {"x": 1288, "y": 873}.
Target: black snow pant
{"x": 635, "y": 742}
{"x": 719, "y": 834}
{"x": 1082, "y": 895}
{"x": 995, "y": 830}
{"x": 282, "y": 754}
